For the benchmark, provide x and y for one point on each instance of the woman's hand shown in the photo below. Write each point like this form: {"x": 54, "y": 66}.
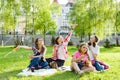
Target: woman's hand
{"x": 74, "y": 25}
{"x": 81, "y": 57}
{"x": 31, "y": 56}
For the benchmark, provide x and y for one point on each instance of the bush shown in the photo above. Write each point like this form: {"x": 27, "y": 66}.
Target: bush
{"x": 107, "y": 44}
{"x": 17, "y": 42}
{"x": 53, "y": 40}
{"x": 70, "y": 43}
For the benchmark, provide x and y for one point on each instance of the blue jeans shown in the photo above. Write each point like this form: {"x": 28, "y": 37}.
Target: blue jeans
{"x": 34, "y": 62}
{"x": 98, "y": 66}
{"x": 37, "y": 63}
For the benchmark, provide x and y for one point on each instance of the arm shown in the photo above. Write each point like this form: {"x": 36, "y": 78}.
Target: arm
{"x": 93, "y": 53}
{"x": 54, "y": 54}
{"x": 77, "y": 59}
{"x": 67, "y": 38}
{"x": 41, "y": 55}
{"x": 24, "y": 47}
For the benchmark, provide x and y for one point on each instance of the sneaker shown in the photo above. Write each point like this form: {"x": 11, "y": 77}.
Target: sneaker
{"x": 26, "y": 69}
{"x": 32, "y": 69}
{"x": 81, "y": 72}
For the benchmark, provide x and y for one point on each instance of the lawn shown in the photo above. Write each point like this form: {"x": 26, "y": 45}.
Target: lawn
{"x": 12, "y": 64}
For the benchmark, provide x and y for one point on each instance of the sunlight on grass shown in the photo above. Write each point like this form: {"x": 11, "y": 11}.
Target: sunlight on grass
{"x": 12, "y": 64}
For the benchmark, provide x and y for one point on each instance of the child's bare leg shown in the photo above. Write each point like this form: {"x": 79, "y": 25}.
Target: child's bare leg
{"x": 90, "y": 68}
{"x": 75, "y": 67}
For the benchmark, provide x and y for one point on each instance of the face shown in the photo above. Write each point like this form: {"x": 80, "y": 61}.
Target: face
{"x": 40, "y": 41}
{"x": 84, "y": 49}
{"x": 60, "y": 40}
{"x": 92, "y": 39}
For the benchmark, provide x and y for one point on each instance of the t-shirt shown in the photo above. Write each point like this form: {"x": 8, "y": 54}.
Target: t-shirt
{"x": 35, "y": 52}
{"x": 95, "y": 49}
{"x": 78, "y": 54}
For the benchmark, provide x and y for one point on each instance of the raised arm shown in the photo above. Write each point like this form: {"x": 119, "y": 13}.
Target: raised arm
{"x": 24, "y": 47}
{"x": 67, "y": 38}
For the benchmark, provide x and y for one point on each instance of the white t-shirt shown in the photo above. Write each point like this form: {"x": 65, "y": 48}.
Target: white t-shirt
{"x": 95, "y": 49}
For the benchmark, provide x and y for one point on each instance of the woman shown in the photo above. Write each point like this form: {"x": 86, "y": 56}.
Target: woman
{"x": 60, "y": 52}
{"x": 93, "y": 52}
{"x": 80, "y": 61}
{"x": 38, "y": 57}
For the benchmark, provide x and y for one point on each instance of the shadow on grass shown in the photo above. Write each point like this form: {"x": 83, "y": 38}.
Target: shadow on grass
{"x": 110, "y": 50}
{"x": 67, "y": 75}
{"x": 7, "y": 75}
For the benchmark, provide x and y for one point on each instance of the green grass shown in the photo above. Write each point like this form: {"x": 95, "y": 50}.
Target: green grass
{"x": 12, "y": 64}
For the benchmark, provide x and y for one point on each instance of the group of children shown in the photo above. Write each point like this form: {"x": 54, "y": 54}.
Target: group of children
{"x": 83, "y": 60}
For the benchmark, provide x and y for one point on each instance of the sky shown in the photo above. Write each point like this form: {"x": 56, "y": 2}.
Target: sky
{"x": 62, "y": 1}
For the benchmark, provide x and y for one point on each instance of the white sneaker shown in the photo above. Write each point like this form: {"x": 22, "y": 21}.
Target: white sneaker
{"x": 80, "y": 72}
{"x": 25, "y": 70}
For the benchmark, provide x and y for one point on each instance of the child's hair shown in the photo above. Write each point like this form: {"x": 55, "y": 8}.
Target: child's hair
{"x": 79, "y": 47}
{"x": 94, "y": 43}
{"x": 43, "y": 46}
{"x": 56, "y": 40}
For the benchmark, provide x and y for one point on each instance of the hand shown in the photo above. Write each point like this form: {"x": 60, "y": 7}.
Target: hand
{"x": 74, "y": 25}
{"x": 15, "y": 49}
{"x": 89, "y": 48}
{"x": 31, "y": 56}
{"x": 81, "y": 57}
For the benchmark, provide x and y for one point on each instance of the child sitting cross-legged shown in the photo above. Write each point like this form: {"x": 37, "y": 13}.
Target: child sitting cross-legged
{"x": 80, "y": 61}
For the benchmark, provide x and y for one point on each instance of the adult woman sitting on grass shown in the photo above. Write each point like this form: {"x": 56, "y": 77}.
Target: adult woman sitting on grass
{"x": 38, "y": 57}
{"x": 93, "y": 52}
{"x": 60, "y": 52}
{"x": 80, "y": 61}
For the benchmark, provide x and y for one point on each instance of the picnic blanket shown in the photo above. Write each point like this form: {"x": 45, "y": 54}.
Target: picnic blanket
{"x": 44, "y": 72}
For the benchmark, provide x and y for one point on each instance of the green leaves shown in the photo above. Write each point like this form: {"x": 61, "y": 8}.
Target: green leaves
{"x": 95, "y": 16}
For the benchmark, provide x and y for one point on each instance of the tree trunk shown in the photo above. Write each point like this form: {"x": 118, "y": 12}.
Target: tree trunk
{"x": 117, "y": 41}
{"x": 44, "y": 34}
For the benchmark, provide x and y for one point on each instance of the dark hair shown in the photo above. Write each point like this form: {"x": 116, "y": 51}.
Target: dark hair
{"x": 79, "y": 48}
{"x": 96, "y": 38}
{"x": 43, "y": 46}
{"x": 94, "y": 43}
{"x": 56, "y": 40}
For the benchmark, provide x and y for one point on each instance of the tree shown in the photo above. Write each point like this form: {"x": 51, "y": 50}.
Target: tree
{"x": 117, "y": 22}
{"x": 93, "y": 17}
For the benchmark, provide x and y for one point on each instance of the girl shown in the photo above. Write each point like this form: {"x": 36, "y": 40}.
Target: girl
{"x": 93, "y": 53}
{"x": 37, "y": 59}
{"x": 80, "y": 62}
{"x": 60, "y": 52}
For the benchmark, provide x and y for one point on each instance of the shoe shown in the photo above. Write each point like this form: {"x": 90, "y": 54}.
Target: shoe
{"x": 32, "y": 69}
{"x": 26, "y": 69}
{"x": 80, "y": 72}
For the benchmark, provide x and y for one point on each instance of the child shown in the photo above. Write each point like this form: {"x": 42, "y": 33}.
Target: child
{"x": 37, "y": 59}
{"x": 60, "y": 52}
{"x": 80, "y": 61}
{"x": 93, "y": 53}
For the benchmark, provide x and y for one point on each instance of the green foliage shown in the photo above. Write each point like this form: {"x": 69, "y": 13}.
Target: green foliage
{"x": 94, "y": 17}
{"x": 37, "y": 13}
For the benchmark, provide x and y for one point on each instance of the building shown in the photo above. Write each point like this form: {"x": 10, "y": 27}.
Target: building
{"x": 62, "y": 20}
